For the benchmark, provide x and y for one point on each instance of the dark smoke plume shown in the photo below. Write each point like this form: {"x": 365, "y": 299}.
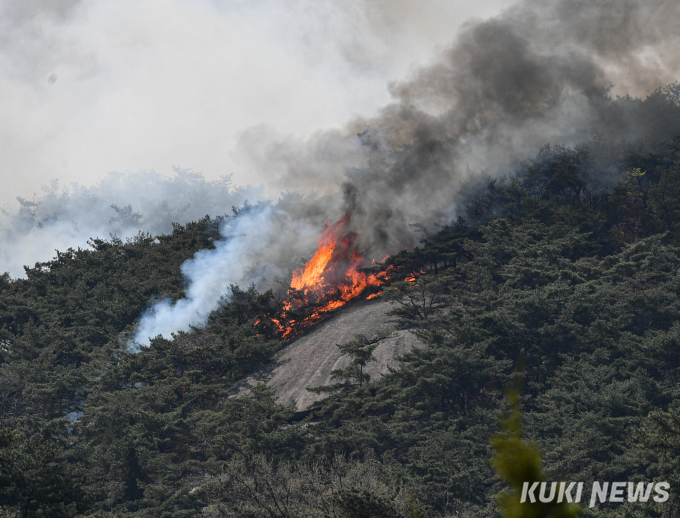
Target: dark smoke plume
{"x": 543, "y": 72}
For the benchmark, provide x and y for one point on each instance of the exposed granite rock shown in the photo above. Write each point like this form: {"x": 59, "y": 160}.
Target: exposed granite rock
{"x": 309, "y": 360}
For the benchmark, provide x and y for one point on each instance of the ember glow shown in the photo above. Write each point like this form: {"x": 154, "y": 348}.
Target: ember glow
{"x": 337, "y": 273}
{"x": 312, "y": 276}
{"x": 330, "y": 279}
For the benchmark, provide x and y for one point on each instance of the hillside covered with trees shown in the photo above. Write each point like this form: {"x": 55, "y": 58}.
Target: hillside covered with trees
{"x": 562, "y": 277}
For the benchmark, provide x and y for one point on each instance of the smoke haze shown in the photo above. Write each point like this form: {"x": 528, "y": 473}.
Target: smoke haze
{"x": 90, "y": 86}
{"x": 119, "y": 204}
{"x": 539, "y": 72}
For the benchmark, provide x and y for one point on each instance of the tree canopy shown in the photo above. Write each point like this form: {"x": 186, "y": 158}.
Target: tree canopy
{"x": 564, "y": 274}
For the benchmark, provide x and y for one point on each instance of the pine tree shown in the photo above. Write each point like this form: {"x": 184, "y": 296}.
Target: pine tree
{"x": 518, "y": 462}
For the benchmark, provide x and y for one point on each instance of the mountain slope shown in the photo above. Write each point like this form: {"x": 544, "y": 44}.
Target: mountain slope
{"x": 309, "y": 360}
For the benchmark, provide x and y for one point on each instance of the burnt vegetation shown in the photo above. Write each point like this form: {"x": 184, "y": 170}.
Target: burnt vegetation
{"x": 564, "y": 273}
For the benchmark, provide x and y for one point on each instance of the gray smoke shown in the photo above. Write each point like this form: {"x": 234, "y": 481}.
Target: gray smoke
{"x": 120, "y": 204}
{"x": 543, "y": 72}
{"x": 540, "y": 73}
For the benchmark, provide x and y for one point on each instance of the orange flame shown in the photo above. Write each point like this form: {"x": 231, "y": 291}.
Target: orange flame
{"x": 314, "y": 269}
{"x": 330, "y": 279}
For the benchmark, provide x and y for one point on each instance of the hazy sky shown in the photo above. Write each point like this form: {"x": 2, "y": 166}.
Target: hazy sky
{"x": 92, "y": 86}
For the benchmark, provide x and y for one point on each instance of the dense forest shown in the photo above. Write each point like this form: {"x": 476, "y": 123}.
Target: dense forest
{"x": 561, "y": 279}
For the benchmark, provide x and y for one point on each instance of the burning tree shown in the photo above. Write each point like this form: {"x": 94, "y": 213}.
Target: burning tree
{"x": 339, "y": 271}
{"x": 332, "y": 277}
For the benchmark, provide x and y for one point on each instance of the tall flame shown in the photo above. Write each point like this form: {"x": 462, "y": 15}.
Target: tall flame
{"x": 311, "y": 275}
{"x": 330, "y": 279}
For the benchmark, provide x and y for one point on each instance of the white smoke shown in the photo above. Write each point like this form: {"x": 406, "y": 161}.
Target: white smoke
{"x": 260, "y": 246}
{"x": 119, "y": 204}
{"x": 93, "y": 86}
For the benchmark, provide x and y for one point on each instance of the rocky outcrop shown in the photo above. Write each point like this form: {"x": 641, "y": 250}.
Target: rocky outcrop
{"x": 309, "y": 360}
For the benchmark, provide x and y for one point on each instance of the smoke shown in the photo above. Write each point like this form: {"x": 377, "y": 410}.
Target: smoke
{"x": 88, "y": 87}
{"x": 259, "y": 246}
{"x": 119, "y": 204}
{"x": 540, "y": 72}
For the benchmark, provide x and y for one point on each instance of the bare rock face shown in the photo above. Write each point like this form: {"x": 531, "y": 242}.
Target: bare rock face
{"x": 309, "y": 360}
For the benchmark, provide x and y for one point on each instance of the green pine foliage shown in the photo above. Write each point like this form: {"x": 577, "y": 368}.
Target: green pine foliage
{"x": 360, "y": 352}
{"x": 566, "y": 270}
{"x": 520, "y": 463}
{"x": 35, "y": 482}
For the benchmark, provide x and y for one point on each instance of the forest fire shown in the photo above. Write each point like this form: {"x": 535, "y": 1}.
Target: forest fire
{"x": 336, "y": 274}
{"x": 330, "y": 279}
